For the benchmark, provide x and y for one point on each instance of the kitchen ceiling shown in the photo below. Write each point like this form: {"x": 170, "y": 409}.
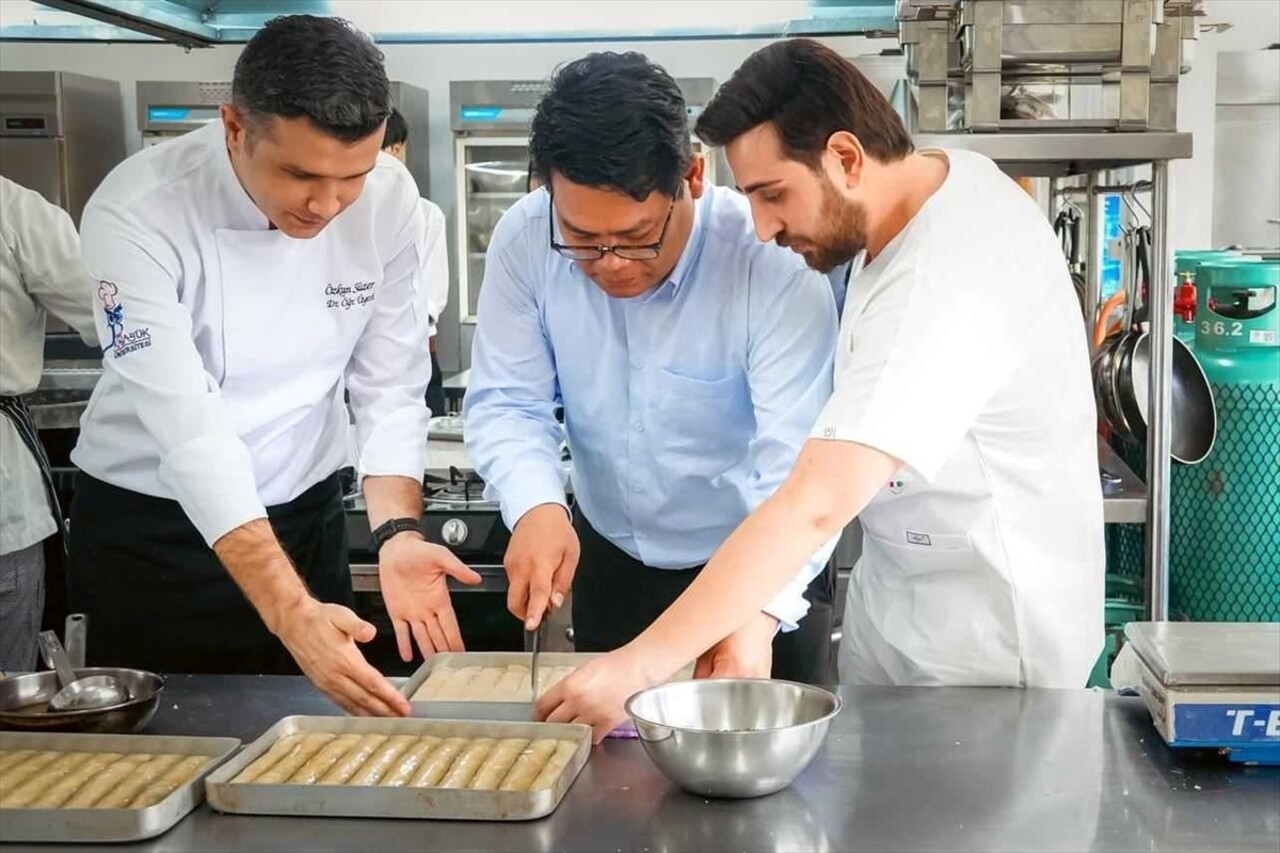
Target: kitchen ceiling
{"x": 203, "y": 23}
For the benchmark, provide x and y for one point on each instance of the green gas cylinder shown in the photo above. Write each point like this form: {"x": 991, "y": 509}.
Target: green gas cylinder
{"x": 1126, "y": 543}
{"x": 1225, "y": 530}
{"x": 1185, "y": 264}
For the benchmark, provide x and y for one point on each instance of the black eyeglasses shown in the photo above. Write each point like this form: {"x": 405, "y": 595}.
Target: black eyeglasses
{"x": 647, "y": 252}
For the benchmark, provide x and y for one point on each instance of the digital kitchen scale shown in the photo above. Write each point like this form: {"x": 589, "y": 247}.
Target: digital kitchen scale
{"x": 1212, "y": 685}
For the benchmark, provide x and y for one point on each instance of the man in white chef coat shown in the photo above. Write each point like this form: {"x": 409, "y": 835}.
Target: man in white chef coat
{"x": 433, "y": 288}
{"x": 961, "y": 427}
{"x": 40, "y": 274}
{"x": 248, "y": 274}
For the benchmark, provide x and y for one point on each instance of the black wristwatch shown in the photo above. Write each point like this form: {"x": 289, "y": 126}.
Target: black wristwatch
{"x": 387, "y": 529}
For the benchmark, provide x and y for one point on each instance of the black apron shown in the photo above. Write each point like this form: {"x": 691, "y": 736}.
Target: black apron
{"x": 159, "y": 599}
{"x": 615, "y": 597}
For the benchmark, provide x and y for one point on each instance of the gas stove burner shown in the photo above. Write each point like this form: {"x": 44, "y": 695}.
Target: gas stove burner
{"x": 462, "y": 491}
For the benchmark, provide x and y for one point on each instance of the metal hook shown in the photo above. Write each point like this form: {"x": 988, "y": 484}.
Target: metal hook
{"x": 1131, "y": 200}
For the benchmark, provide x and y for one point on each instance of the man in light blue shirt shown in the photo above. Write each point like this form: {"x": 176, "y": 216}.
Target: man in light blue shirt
{"x": 691, "y": 361}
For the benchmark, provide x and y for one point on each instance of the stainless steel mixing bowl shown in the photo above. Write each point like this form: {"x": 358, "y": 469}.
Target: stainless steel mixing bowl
{"x": 24, "y": 701}
{"x": 732, "y": 737}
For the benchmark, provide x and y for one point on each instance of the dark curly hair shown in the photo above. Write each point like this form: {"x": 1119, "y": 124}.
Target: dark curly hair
{"x": 615, "y": 121}
{"x": 319, "y": 67}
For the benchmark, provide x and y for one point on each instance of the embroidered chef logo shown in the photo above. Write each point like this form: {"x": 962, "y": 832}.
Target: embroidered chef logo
{"x": 122, "y": 342}
{"x": 896, "y": 487}
{"x": 344, "y": 297}
{"x": 914, "y": 538}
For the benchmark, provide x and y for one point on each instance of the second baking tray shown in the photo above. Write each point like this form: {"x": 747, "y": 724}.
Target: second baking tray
{"x": 477, "y": 709}
{"x": 376, "y": 801}
{"x": 81, "y": 825}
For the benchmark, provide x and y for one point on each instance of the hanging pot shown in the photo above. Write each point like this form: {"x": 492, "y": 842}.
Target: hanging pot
{"x": 1193, "y": 413}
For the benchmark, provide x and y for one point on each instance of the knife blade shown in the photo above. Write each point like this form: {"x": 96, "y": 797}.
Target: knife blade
{"x": 533, "y": 666}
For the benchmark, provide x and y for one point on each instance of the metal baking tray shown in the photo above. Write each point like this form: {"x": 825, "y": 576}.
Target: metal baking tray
{"x": 374, "y": 801}
{"x": 480, "y": 709}
{"x": 483, "y": 710}
{"x": 109, "y": 825}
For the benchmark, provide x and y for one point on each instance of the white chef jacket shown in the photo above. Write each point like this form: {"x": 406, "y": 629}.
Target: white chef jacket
{"x": 434, "y": 282}
{"x": 40, "y": 271}
{"x": 228, "y": 345}
{"x": 962, "y": 354}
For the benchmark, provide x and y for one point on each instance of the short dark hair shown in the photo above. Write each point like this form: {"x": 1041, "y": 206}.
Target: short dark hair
{"x": 615, "y": 121}
{"x": 397, "y": 130}
{"x": 808, "y": 92}
{"x": 319, "y": 67}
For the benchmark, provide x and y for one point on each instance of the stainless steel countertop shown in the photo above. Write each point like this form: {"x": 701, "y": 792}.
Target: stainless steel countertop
{"x": 903, "y": 769}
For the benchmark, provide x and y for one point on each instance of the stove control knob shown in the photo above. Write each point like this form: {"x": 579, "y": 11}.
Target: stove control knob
{"x": 454, "y": 532}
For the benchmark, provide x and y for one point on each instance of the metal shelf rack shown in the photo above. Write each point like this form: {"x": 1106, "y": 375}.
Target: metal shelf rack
{"x": 1059, "y": 155}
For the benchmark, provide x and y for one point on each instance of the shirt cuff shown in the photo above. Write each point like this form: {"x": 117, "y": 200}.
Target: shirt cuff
{"x": 397, "y": 446}
{"x": 527, "y": 486}
{"x": 789, "y": 607}
{"x": 212, "y": 479}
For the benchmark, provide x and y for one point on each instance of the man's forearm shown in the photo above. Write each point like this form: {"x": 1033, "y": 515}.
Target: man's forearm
{"x": 253, "y": 557}
{"x": 388, "y": 497}
{"x": 831, "y": 483}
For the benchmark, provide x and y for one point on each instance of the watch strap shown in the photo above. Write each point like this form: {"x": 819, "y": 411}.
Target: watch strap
{"x": 390, "y": 528}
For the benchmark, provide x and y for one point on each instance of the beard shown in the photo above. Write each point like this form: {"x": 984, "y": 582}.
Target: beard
{"x": 842, "y": 233}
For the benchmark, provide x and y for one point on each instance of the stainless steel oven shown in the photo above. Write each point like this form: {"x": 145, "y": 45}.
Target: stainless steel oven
{"x": 60, "y": 134}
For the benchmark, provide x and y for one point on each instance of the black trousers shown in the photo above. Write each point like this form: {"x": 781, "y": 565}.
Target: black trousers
{"x": 615, "y": 597}
{"x": 157, "y": 596}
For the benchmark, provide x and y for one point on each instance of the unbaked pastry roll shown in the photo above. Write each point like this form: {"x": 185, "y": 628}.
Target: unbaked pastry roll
{"x": 498, "y": 764}
{"x": 353, "y": 760}
{"x": 176, "y": 776}
{"x": 407, "y": 765}
{"x": 144, "y": 775}
{"x": 529, "y": 763}
{"x": 382, "y": 760}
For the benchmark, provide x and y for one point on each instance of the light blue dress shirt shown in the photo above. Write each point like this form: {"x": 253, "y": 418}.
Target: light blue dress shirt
{"x": 684, "y": 407}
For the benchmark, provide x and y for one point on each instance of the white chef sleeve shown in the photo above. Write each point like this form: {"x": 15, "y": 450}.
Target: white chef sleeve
{"x": 390, "y": 367}
{"x": 146, "y": 335}
{"x": 919, "y": 362}
{"x": 435, "y": 265}
{"x": 47, "y": 249}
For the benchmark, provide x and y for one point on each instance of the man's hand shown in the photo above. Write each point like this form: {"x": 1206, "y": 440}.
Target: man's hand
{"x": 596, "y": 692}
{"x": 541, "y": 560}
{"x": 746, "y": 653}
{"x": 322, "y": 639}
{"x": 413, "y": 576}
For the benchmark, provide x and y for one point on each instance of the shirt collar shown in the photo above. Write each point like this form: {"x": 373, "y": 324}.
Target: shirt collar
{"x": 697, "y": 236}
{"x": 247, "y": 214}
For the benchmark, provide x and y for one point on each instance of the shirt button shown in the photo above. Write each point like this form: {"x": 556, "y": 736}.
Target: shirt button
{"x": 636, "y": 365}
{"x": 639, "y": 427}
{"x": 829, "y": 432}
{"x": 637, "y": 488}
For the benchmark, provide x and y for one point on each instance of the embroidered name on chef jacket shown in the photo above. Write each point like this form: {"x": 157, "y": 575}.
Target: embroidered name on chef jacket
{"x": 123, "y": 341}
{"x": 344, "y": 297}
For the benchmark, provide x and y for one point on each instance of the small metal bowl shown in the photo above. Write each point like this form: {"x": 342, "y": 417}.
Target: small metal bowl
{"x": 732, "y": 737}
{"x": 24, "y": 701}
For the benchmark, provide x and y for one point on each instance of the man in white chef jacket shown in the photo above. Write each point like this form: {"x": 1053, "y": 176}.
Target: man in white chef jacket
{"x": 40, "y": 274}
{"x": 433, "y": 291}
{"x": 248, "y": 274}
{"x": 961, "y": 427}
